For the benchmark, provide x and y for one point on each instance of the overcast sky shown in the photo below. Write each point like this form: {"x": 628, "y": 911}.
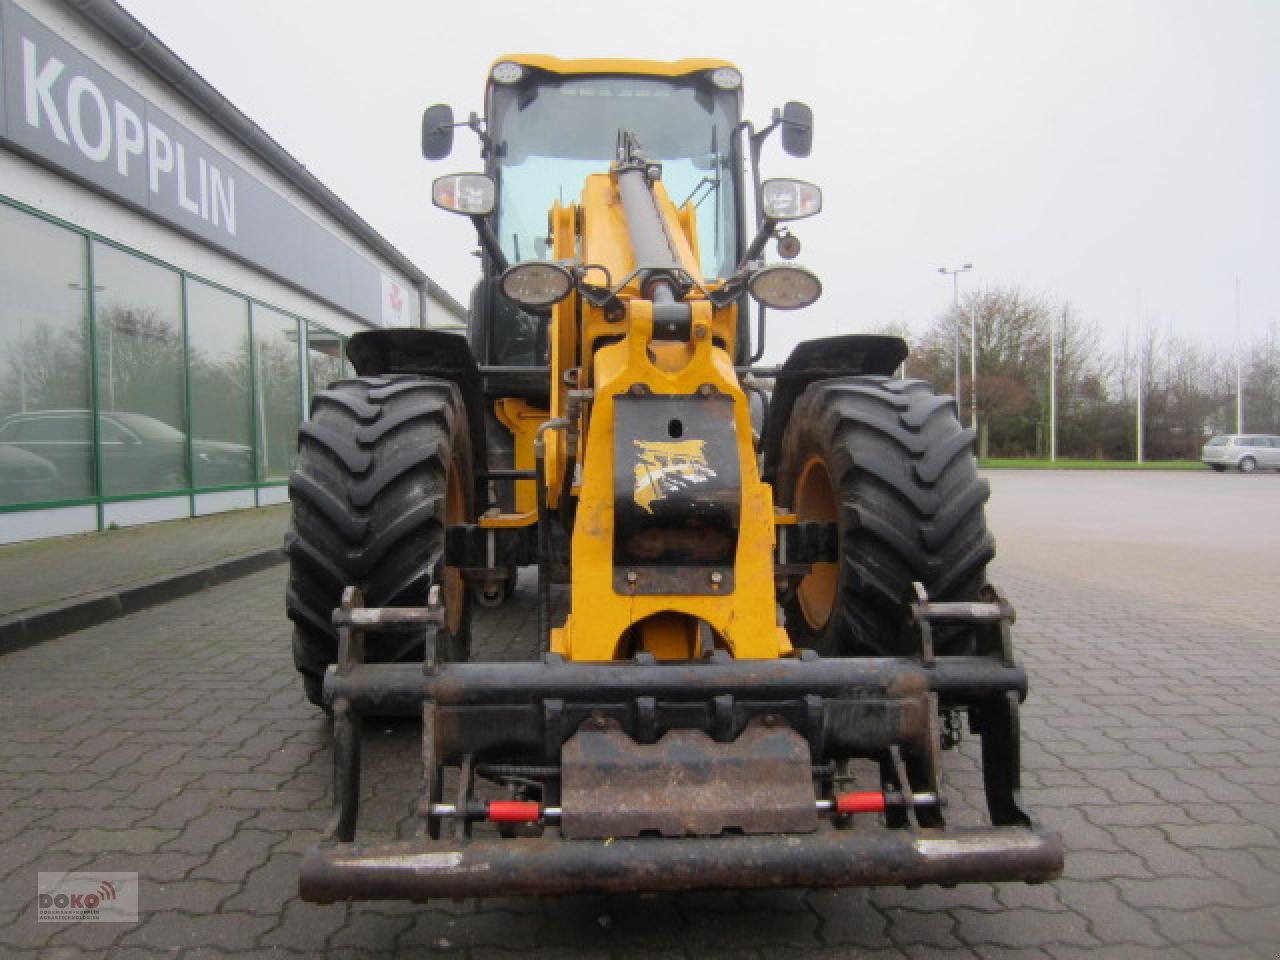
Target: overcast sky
{"x": 1080, "y": 149}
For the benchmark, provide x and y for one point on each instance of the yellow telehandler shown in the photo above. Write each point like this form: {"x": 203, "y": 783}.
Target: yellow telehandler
{"x": 778, "y": 614}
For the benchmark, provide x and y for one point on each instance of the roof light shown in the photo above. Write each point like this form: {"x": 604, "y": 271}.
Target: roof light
{"x": 507, "y": 72}
{"x": 726, "y": 78}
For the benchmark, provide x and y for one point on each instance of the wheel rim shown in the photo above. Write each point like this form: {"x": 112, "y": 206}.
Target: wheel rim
{"x": 1247, "y": 465}
{"x": 455, "y": 511}
{"x": 815, "y": 502}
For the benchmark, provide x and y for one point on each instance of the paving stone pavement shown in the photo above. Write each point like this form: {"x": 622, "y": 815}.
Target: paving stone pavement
{"x": 176, "y": 743}
{"x": 41, "y": 572}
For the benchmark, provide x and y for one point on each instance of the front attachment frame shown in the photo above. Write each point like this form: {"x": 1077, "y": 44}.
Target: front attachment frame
{"x": 515, "y": 723}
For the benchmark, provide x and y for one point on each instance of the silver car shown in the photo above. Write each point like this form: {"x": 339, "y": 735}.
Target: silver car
{"x": 1245, "y": 452}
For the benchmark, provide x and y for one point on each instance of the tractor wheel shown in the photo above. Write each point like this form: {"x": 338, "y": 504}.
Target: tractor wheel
{"x": 889, "y": 463}
{"x": 384, "y": 463}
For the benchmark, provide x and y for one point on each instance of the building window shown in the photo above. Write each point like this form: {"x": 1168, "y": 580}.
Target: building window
{"x": 348, "y": 370}
{"x": 221, "y": 390}
{"x": 279, "y": 391}
{"x": 123, "y": 378}
{"x": 46, "y": 443}
{"x": 141, "y": 386}
{"x": 324, "y": 358}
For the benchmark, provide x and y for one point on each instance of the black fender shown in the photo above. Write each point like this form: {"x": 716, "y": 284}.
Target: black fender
{"x": 430, "y": 353}
{"x": 851, "y": 355}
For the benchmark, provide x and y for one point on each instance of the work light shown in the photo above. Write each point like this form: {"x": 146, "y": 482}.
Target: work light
{"x": 784, "y": 287}
{"x": 537, "y": 283}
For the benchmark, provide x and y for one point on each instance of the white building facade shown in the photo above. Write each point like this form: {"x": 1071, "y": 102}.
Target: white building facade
{"x": 173, "y": 285}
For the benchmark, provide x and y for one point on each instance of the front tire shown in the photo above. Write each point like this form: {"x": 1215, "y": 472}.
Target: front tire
{"x": 889, "y": 463}
{"x": 384, "y": 464}
{"x": 1247, "y": 465}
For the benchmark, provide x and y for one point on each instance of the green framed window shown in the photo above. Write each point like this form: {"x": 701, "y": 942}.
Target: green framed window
{"x": 222, "y": 451}
{"x": 279, "y": 390}
{"x": 46, "y": 436}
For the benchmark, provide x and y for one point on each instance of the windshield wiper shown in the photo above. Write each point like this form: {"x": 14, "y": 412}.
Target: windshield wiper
{"x": 711, "y": 181}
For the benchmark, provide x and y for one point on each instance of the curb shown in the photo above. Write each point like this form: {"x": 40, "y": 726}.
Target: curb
{"x": 29, "y": 627}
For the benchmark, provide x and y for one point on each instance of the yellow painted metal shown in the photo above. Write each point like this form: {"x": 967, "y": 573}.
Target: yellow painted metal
{"x": 645, "y": 68}
{"x": 816, "y": 502}
{"x": 523, "y": 420}
{"x": 602, "y": 353}
{"x": 563, "y": 332}
{"x": 600, "y": 618}
{"x": 604, "y": 240}
{"x": 668, "y": 636}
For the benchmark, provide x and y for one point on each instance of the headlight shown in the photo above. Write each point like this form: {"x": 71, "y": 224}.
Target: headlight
{"x": 726, "y": 78}
{"x": 790, "y": 199}
{"x": 467, "y": 193}
{"x": 784, "y": 287}
{"x": 506, "y": 72}
{"x": 537, "y": 283}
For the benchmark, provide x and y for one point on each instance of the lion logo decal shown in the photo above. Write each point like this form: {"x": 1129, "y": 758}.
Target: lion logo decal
{"x": 666, "y": 467}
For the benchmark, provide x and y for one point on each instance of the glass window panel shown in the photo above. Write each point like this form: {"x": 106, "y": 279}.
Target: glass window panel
{"x": 112, "y": 432}
{"x": 140, "y": 372}
{"x": 324, "y": 359}
{"x": 44, "y": 362}
{"x": 347, "y": 369}
{"x": 275, "y": 343}
{"x": 221, "y": 397}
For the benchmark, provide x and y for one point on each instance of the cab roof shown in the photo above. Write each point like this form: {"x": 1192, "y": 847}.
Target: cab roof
{"x": 650, "y": 68}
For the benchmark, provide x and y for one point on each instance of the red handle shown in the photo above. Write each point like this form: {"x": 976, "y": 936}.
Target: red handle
{"x": 865, "y": 802}
{"x": 514, "y": 811}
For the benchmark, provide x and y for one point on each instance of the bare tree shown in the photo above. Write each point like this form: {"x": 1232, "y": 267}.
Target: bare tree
{"x": 1262, "y": 382}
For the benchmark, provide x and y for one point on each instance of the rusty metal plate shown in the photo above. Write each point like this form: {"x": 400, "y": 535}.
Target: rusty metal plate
{"x": 686, "y": 784}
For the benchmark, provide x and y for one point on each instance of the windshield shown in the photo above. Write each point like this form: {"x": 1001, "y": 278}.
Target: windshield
{"x": 549, "y": 137}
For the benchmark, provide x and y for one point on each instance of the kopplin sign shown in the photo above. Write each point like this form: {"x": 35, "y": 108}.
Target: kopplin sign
{"x": 67, "y": 110}
{"x": 111, "y": 133}
{"x": 114, "y": 135}
{"x": 64, "y": 110}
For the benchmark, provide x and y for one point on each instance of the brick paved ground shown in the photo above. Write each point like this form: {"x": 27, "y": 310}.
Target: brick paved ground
{"x": 176, "y": 743}
{"x": 47, "y": 571}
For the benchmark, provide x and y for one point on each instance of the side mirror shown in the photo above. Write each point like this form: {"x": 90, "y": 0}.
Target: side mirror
{"x": 797, "y": 128}
{"x": 437, "y": 131}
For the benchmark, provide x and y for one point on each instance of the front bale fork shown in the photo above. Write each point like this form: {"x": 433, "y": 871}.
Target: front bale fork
{"x": 640, "y": 776}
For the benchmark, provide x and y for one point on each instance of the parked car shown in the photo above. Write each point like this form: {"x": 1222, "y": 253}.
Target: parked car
{"x": 1245, "y": 452}
{"x": 140, "y": 454}
{"x": 26, "y": 477}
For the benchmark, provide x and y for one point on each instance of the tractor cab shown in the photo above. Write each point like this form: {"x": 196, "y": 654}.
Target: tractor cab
{"x": 550, "y": 123}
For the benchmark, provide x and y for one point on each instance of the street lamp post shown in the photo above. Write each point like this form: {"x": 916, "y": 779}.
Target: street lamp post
{"x": 1141, "y": 372}
{"x": 1239, "y": 368}
{"x": 954, "y": 273}
{"x": 1053, "y": 386}
{"x": 973, "y": 373}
